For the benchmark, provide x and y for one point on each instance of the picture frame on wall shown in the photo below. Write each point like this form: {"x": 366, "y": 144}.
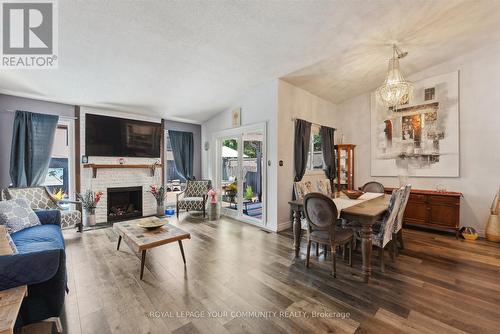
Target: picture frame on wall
{"x": 236, "y": 117}
{"x": 421, "y": 137}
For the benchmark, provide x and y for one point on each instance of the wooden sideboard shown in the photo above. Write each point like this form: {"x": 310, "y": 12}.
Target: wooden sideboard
{"x": 433, "y": 209}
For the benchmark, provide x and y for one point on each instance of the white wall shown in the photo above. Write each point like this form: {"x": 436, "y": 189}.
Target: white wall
{"x": 479, "y": 84}
{"x": 257, "y": 106}
{"x": 294, "y": 102}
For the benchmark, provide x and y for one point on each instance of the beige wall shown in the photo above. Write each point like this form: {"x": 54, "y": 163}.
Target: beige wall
{"x": 479, "y": 83}
{"x": 294, "y": 102}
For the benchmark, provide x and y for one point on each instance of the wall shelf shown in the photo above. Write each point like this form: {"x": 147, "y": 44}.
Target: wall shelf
{"x": 95, "y": 167}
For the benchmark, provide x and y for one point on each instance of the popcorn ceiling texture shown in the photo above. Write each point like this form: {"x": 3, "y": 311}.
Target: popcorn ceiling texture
{"x": 191, "y": 59}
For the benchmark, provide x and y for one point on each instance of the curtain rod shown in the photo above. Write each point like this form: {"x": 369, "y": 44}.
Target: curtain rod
{"x": 295, "y": 118}
{"x": 60, "y": 116}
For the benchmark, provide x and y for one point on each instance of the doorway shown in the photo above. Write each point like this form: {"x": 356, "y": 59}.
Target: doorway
{"x": 241, "y": 173}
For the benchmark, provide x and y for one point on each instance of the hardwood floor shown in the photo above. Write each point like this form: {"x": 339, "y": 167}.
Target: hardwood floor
{"x": 437, "y": 285}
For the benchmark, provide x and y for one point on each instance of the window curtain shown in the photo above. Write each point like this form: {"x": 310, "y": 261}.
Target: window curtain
{"x": 301, "y": 147}
{"x": 183, "y": 151}
{"x": 327, "y": 146}
{"x": 32, "y": 141}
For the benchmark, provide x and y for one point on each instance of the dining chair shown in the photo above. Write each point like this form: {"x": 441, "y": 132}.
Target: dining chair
{"x": 383, "y": 235}
{"x": 373, "y": 187}
{"x": 322, "y": 215}
{"x": 398, "y": 226}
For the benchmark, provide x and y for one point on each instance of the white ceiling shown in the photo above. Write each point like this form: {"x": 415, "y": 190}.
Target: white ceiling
{"x": 191, "y": 59}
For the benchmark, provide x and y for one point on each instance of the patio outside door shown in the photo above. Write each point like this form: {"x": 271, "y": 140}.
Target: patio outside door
{"x": 241, "y": 173}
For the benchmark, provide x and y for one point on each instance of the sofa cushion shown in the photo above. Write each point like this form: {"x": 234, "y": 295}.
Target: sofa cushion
{"x": 38, "y": 238}
{"x": 17, "y": 215}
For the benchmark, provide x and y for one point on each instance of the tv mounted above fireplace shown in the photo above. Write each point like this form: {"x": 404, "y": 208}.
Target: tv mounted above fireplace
{"x": 120, "y": 137}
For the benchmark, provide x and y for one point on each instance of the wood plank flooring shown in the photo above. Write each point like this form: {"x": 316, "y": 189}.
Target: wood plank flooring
{"x": 437, "y": 285}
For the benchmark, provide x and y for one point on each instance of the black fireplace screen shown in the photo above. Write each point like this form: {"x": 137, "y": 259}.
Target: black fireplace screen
{"x": 124, "y": 203}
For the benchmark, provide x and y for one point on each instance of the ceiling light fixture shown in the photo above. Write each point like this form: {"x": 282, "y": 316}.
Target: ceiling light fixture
{"x": 395, "y": 90}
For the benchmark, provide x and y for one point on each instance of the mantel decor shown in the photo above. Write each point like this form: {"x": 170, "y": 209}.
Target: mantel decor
{"x": 95, "y": 167}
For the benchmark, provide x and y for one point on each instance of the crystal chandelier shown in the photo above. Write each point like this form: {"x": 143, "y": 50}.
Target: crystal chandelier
{"x": 395, "y": 90}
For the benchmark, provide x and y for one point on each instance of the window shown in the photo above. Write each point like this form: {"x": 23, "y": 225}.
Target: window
{"x": 58, "y": 178}
{"x": 315, "y": 159}
{"x": 171, "y": 171}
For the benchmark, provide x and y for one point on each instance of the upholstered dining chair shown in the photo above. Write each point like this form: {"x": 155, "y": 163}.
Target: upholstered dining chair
{"x": 384, "y": 231}
{"x": 302, "y": 188}
{"x": 325, "y": 187}
{"x": 194, "y": 198}
{"x": 322, "y": 215}
{"x": 397, "y": 236}
{"x": 373, "y": 187}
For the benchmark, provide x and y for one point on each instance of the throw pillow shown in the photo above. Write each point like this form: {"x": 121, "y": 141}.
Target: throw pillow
{"x": 16, "y": 215}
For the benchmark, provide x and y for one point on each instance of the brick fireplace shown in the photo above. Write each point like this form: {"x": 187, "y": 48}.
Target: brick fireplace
{"x": 106, "y": 180}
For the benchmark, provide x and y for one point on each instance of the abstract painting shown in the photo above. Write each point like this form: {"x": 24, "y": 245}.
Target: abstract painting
{"x": 420, "y": 138}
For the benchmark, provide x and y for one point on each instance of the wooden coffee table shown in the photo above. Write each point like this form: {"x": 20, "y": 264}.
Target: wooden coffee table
{"x": 140, "y": 239}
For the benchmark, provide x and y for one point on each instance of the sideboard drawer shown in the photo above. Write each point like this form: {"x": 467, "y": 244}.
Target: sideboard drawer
{"x": 444, "y": 200}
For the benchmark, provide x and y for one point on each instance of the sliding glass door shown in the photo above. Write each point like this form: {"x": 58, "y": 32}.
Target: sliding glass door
{"x": 240, "y": 167}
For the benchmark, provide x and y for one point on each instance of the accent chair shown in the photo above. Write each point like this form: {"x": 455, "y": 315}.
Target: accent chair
{"x": 40, "y": 198}
{"x": 194, "y": 198}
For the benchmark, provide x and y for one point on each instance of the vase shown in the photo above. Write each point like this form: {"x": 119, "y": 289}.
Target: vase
{"x": 493, "y": 228}
{"x": 160, "y": 210}
{"x": 89, "y": 219}
{"x": 213, "y": 211}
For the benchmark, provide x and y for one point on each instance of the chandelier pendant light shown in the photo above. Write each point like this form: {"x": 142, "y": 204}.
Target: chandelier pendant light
{"x": 395, "y": 90}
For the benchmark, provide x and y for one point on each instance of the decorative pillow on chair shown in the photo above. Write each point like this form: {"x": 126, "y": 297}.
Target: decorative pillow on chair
{"x": 16, "y": 215}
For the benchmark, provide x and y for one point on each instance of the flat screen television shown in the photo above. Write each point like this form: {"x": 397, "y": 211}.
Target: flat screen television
{"x": 119, "y": 137}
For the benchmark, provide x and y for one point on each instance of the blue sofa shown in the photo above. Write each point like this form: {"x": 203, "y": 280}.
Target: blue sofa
{"x": 41, "y": 264}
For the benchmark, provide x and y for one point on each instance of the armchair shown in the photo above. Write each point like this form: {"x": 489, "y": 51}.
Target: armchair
{"x": 194, "y": 197}
{"x": 41, "y": 199}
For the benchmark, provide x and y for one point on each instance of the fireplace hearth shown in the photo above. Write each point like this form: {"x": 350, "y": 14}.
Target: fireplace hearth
{"x": 124, "y": 203}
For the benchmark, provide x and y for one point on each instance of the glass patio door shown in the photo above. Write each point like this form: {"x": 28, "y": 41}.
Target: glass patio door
{"x": 241, "y": 173}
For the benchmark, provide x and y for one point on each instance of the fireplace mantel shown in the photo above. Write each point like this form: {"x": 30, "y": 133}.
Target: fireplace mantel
{"x": 95, "y": 167}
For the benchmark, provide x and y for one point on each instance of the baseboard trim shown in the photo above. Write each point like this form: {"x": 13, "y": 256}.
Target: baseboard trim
{"x": 284, "y": 225}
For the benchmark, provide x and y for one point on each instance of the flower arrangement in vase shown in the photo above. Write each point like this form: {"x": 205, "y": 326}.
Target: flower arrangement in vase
{"x": 89, "y": 202}
{"x": 159, "y": 194}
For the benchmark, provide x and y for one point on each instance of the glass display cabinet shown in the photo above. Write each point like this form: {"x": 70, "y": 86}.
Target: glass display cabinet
{"x": 344, "y": 154}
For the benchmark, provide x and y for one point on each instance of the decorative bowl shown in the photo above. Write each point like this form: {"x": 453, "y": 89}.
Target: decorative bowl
{"x": 151, "y": 224}
{"x": 469, "y": 233}
{"x": 353, "y": 194}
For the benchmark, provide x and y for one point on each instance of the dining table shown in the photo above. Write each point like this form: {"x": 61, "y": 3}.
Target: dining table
{"x": 363, "y": 212}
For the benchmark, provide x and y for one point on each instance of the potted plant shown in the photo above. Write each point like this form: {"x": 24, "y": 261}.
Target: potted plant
{"x": 89, "y": 203}
{"x": 249, "y": 193}
{"x": 231, "y": 190}
{"x": 159, "y": 194}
